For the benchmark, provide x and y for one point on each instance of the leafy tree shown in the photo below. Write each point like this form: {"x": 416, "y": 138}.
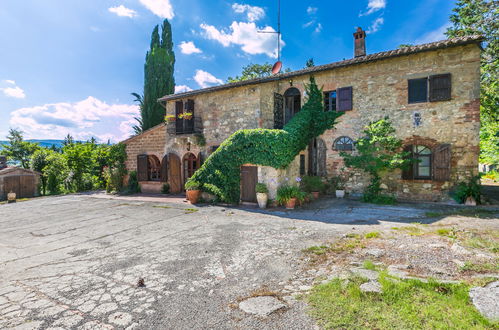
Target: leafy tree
{"x": 116, "y": 170}
{"x": 19, "y": 150}
{"x": 310, "y": 63}
{"x": 158, "y": 78}
{"x": 377, "y": 151}
{"x": 253, "y": 71}
{"x": 39, "y": 163}
{"x": 482, "y": 17}
{"x": 56, "y": 172}
{"x": 78, "y": 158}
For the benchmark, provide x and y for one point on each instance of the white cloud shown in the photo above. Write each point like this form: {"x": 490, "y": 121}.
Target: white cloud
{"x": 253, "y": 13}
{"x": 318, "y": 28}
{"x": 245, "y": 35}
{"x": 188, "y": 47}
{"x": 373, "y": 6}
{"x": 205, "y": 79}
{"x": 312, "y": 10}
{"x": 83, "y": 119}
{"x": 182, "y": 89}
{"x": 161, "y": 8}
{"x": 435, "y": 35}
{"x": 376, "y": 25}
{"x": 123, "y": 11}
{"x": 12, "y": 90}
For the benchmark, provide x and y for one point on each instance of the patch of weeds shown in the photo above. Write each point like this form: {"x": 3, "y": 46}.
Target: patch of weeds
{"x": 480, "y": 281}
{"x": 291, "y": 228}
{"x": 374, "y": 234}
{"x": 488, "y": 240}
{"x": 447, "y": 232}
{"x": 395, "y": 228}
{"x": 467, "y": 212}
{"x": 352, "y": 235}
{"x": 317, "y": 250}
{"x": 412, "y": 230}
{"x": 368, "y": 264}
{"x": 480, "y": 267}
{"x": 162, "y": 206}
{"x": 403, "y": 304}
{"x": 188, "y": 211}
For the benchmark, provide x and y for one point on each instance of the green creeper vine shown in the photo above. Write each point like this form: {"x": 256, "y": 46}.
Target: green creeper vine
{"x": 220, "y": 174}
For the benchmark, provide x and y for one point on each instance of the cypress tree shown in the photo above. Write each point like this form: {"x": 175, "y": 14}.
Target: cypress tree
{"x": 158, "y": 78}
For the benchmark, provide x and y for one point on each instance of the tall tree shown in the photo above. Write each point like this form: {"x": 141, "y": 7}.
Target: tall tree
{"x": 158, "y": 78}
{"x": 18, "y": 150}
{"x": 482, "y": 17}
{"x": 252, "y": 71}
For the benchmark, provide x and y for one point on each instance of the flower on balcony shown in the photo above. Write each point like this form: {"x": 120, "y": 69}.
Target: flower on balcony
{"x": 185, "y": 115}
{"x": 170, "y": 118}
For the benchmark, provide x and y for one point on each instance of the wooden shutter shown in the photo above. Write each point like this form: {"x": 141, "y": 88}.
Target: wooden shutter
{"x": 278, "y": 111}
{"x": 344, "y": 98}
{"x": 408, "y": 172}
{"x": 179, "y": 123}
{"x": 441, "y": 162}
{"x": 440, "y": 87}
{"x": 142, "y": 168}
{"x": 164, "y": 169}
{"x": 189, "y": 123}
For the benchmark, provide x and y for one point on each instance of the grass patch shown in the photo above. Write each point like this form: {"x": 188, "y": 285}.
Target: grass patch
{"x": 447, "y": 232}
{"x": 467, "y": 212}
{"x": 368, "y": 264}
{"x": 374, "y": 234}
{"x": 411, "y": 230}
{"x": 162, "y": 206}
{"x": 480, "y": 267}
{"x": 187, "y": 211}
{"x": 317, "y": 250}
{"x": 487, "y": 240}
{"x": 404, "y": 304}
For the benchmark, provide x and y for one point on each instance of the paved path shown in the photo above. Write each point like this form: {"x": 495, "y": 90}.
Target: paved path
{"x": 74, "y": 261}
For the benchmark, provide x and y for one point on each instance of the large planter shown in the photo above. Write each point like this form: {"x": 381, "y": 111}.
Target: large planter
{"x": 291, "y": 203}
{"x": 11, "y": 197}
{"x": 193, "y": 196}
{"x": 262, "y": 199}
{"x": 315, "y": 194}
{"x": 340, "y": 193}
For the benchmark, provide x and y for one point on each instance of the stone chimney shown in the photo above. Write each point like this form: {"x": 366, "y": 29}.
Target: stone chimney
{"x": 360, "y": 42}
{"x": 3, "y": 162}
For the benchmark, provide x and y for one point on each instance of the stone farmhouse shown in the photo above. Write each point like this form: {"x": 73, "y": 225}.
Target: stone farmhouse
{"x": 430, "y": 92}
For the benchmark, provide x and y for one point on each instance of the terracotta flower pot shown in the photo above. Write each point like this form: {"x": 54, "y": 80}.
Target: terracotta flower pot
{"x": 315, "y": 194}
{"x": 193, "y": 196}
{"x": 291, "y": 203}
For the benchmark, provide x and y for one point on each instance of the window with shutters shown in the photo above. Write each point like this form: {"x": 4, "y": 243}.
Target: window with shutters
{"x": 422, "y": 166}
{"x": 344, "y": 98}
{"x": 330, "y": 101}
{"x": 430, "y": 164}
{"x": 343, "y": 143}
{"x": 153, "y": 168}
{"x": 434, "y": 88}
{"x": 184, "y": 124}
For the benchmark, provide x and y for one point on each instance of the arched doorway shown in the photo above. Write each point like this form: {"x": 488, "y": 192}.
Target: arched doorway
{"x": 174, "y": 173}
{"x": 292, "y": 103}
{"x": 164, "y": 169}
{"x": 190, "y": 165}
{"x": 153, "y": 168}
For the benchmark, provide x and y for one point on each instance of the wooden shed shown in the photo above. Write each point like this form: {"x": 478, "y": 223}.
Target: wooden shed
{"x": 19, "y": 180}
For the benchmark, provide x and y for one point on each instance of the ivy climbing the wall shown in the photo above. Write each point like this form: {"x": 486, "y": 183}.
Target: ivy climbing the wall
{"x": 220, "y": 173}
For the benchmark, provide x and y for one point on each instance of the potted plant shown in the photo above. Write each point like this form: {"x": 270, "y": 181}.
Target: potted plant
{"x": 288, "y": 195}
{"x": 340, "y": 189}
{"x": 262, "y": 195}
{"x": 312, "y": 184}
{"x": 170, "y": 118}
{"x": 185, "y": 115}
{"x": 11, "y": 197}
{"x": 193, "y": 189}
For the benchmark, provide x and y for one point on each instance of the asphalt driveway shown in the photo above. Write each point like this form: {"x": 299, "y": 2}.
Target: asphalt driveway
{"x": 75, "y": 261}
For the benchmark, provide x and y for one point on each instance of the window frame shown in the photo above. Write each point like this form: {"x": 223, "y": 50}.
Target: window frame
{"x": 409, "y": 101}
{"x": 417, "y": 155}
{"x": 335, "y": 144}
{"x": 330, "y": 104}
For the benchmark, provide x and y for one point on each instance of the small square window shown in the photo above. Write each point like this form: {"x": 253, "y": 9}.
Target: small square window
{"x": 418, "y": 90}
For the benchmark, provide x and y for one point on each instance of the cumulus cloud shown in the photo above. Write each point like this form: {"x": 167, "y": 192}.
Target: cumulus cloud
{"x": 376, "y": 25}
{"x": 318, "y": 28}
{"x": 12, "y": 90}
{"x": 435, "y": 35}
{"x": 182, "y": 89}
{"x": 245, "y": 35}
{"x": 253, "y": 13}
{"x": 83, "y": 119}
{"x": 312, "y": 10}
{"x": 312, "y": 13}
{"x": 161, "y": 8}
{"x": 373, "y": 6}
{"x": 123, "y": 11}
{"x": 188, "y": 47}
{"x": 206, "y": 79}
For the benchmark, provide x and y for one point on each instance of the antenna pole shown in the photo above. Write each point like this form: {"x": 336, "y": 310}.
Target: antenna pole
{"x": 278, "y": 30}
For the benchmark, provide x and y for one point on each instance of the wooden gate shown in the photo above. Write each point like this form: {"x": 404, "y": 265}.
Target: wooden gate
{"x": 22, "y": 185}
{"x": 174, "y": 174}
{"x": 249, "y": 178}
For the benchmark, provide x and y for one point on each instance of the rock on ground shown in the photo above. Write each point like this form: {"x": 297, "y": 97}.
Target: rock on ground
{"x": 371, "y": 286}
{"x": 261, "y": 306}
{"x": 486, "y": 300}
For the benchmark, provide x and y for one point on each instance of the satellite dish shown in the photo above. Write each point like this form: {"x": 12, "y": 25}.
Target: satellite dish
{"x": 277, "y": 67}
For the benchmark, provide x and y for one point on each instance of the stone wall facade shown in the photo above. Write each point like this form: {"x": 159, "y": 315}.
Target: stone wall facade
{"x": 380, "y": 89}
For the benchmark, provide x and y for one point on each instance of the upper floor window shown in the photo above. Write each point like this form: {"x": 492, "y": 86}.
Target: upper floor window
{"x": 343, "y": 143}
{"x": 430, "y": 89}
{"x": 330, "y": 101}
{"x": 185, "y": 124}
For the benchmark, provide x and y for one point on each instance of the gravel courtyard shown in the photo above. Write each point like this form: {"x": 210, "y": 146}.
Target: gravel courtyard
{"x": 76, "y": 261}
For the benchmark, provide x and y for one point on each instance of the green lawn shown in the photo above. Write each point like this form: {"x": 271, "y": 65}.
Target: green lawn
{"x": 404, "y": 304}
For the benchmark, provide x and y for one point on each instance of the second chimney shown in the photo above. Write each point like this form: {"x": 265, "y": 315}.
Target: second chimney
{"x": 360, "y": 42}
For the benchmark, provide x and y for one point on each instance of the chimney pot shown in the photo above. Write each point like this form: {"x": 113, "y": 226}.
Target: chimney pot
{"x": 360, "y": 42}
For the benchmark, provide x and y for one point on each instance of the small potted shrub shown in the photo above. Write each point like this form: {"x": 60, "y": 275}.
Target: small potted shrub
{"x": 288, "y": 195}
{"x": 262, "y": 195}
{"x": 185, "y": 115}
{"x": 170, "y": 118}
{"x": 312, "y": 184}
{"x": 193, "y": 189}
{"x": 340, "y": 189}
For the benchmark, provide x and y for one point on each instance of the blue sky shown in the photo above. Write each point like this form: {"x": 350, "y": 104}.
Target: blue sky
{"x": 69, "y": 66}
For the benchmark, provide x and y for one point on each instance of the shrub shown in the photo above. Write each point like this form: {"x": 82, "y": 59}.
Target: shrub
{"x": 312, "y": 183}
{"x": 165, "y": 189}
{"x": 464, "y": 190}
{"x": 285, "y": 193}
{"x": 193, "y": 185}
{"x": 133, "y": 183}
{"x": 261, "y": 188}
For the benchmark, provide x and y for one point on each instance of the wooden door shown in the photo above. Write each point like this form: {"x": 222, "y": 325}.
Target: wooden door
{"x": 27, "y": 186}
{"x": 174, "y": 174}
{"x": 11, "y": 184}
{"x": 249, "y": 178}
